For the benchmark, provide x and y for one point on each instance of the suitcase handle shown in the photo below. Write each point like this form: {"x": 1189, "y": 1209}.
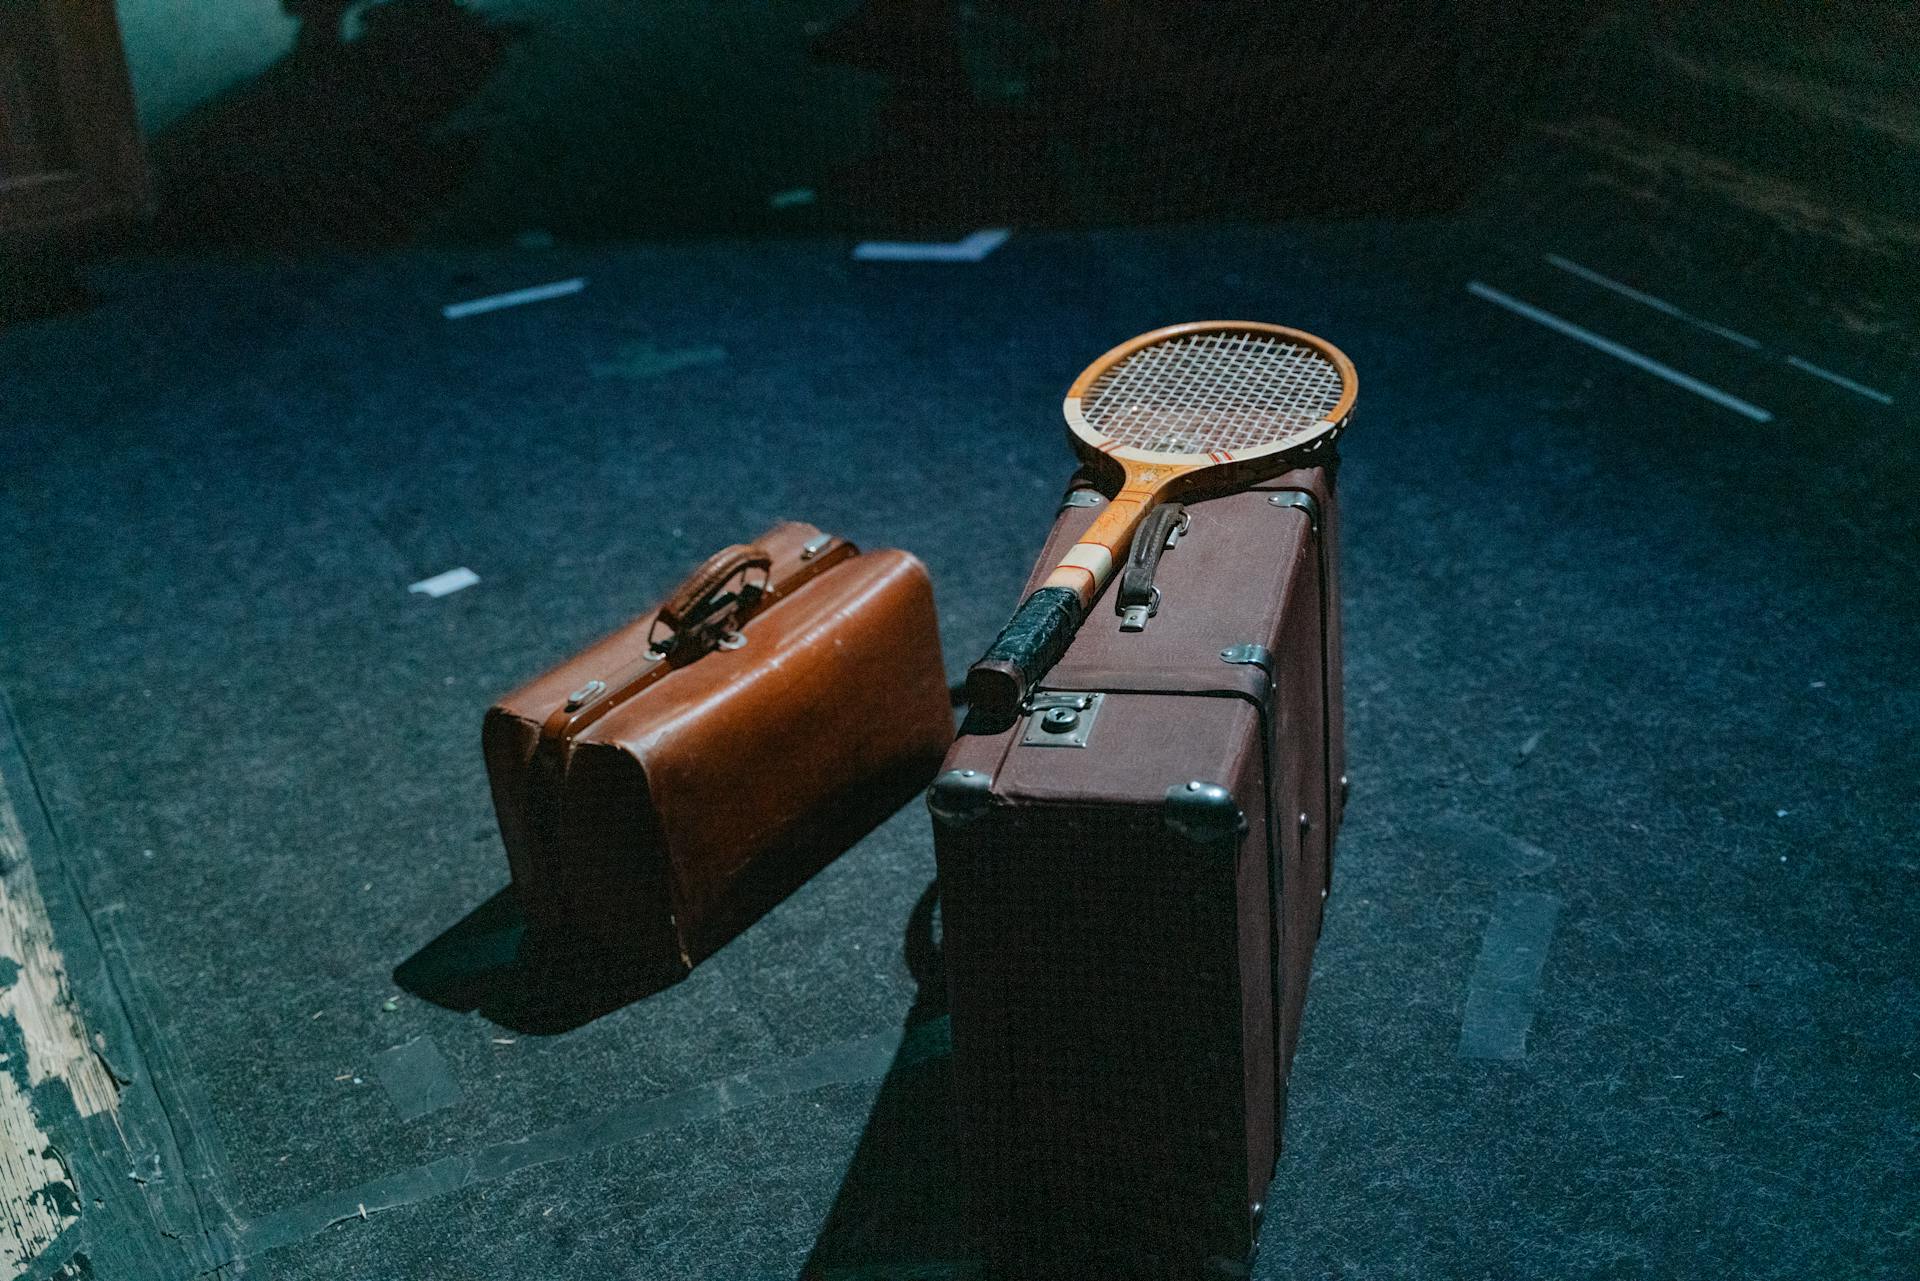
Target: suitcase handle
{"x": 1137, "y": 599}
{"x": 701, "y": 594}
{"x": 700, "y": 615}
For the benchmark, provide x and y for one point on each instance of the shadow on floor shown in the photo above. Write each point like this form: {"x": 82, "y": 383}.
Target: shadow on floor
{"x": 341, "y": 141}
{"x": 900, "y": 1211}
{"x": 488, "y": 962}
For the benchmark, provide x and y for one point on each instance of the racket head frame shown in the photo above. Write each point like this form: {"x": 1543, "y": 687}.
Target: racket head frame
{"x": 1127, "y": 466}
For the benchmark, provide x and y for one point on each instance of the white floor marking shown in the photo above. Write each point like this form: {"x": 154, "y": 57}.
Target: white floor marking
{"x": 1839, "y": 380}
{"x": 1658, "y": 304}
{"x": 518, "y": 297}
{"x": 1618, "y": 352}
{"x": 446, "y": 584}
{"x": 972, "y": 249}
{"x": 1731, "y": 335}
{"x": 1504, "y": 992}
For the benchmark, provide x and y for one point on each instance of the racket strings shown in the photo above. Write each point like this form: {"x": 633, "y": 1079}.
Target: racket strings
{"x": 1222, "y": 391}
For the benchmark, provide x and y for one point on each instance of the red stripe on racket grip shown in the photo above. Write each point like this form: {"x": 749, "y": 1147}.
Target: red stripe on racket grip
{"x": 1087, "y": 593}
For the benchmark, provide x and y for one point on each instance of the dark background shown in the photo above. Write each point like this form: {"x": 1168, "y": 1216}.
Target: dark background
{"x": 1607, "y": 640}
{"x": 596, "y": 120}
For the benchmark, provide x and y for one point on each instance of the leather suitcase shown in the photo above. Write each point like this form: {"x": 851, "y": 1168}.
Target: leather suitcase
{"x": 1132, "y": 883}
{"x": 658, "y": 792}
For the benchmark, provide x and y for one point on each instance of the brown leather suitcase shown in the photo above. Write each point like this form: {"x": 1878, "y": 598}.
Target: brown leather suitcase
{"x": 660, "y": 791}
{"x": 1132, "y": 881}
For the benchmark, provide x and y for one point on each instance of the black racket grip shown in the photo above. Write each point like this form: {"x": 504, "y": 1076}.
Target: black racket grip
{"x": 1031, "y": 643}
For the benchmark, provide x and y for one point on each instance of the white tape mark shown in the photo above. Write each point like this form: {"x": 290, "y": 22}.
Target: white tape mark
{"x": 972, "y": 249}
{"x": 417, "y": 1078}
{"x": 1658, "y": 304}
{"x": 1505, "y": 988}
{"x": 446, "y": 584}
{"x": 1618, "y": 352}
{"x": 1839, "y": 380}
{"x": 642, "y": 360}
{"x": 519, "y": 297}
{"x": 1731, "y": 335}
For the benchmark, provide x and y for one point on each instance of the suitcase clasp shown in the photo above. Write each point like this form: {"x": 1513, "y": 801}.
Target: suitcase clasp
{"x": 1059, "y": 719}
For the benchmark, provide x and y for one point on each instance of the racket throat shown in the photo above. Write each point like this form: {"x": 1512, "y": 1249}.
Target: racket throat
{"x": 1086, "y": 569}
{"x": 1083, "y": 571}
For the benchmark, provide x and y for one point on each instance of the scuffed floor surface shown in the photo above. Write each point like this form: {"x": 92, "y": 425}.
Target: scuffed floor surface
{"x": 1630, "y": 676}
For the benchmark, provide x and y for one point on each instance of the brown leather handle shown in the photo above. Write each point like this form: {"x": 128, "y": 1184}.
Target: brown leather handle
{"x": 692, "y": 597}
{"x": 1143, "y": 559}
{"x": 692, "y": 622}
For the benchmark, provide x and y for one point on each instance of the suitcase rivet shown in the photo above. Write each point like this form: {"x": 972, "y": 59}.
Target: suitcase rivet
{"x": 1306, "y": 824}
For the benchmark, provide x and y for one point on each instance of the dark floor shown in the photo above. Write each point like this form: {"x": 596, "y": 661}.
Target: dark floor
{"x": 1607, "y": 641}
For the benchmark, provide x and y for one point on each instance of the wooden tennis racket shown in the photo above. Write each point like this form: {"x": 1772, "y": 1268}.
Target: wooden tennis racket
{"x": 1213, "y": 405}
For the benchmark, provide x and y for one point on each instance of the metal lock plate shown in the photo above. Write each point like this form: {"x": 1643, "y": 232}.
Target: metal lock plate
{"x": 1060, "y": 720}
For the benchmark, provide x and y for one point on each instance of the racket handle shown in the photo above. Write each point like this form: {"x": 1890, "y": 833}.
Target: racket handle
{"x": 1031, "y": 643}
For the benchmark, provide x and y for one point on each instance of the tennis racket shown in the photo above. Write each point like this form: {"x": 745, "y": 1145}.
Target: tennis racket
{"x": 1212, "y": 405}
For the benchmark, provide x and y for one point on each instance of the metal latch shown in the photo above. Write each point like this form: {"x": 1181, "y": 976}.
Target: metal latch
{"x": 580, "y": 697}
{"x": 1301, "y": 499}
{"x": 1056, "y": 719}
{"x": 1249, "y": 655}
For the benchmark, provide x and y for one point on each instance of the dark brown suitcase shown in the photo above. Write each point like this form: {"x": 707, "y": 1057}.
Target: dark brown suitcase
{"x": 660, "y": 791}
{"x": 1132, "y": 882}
